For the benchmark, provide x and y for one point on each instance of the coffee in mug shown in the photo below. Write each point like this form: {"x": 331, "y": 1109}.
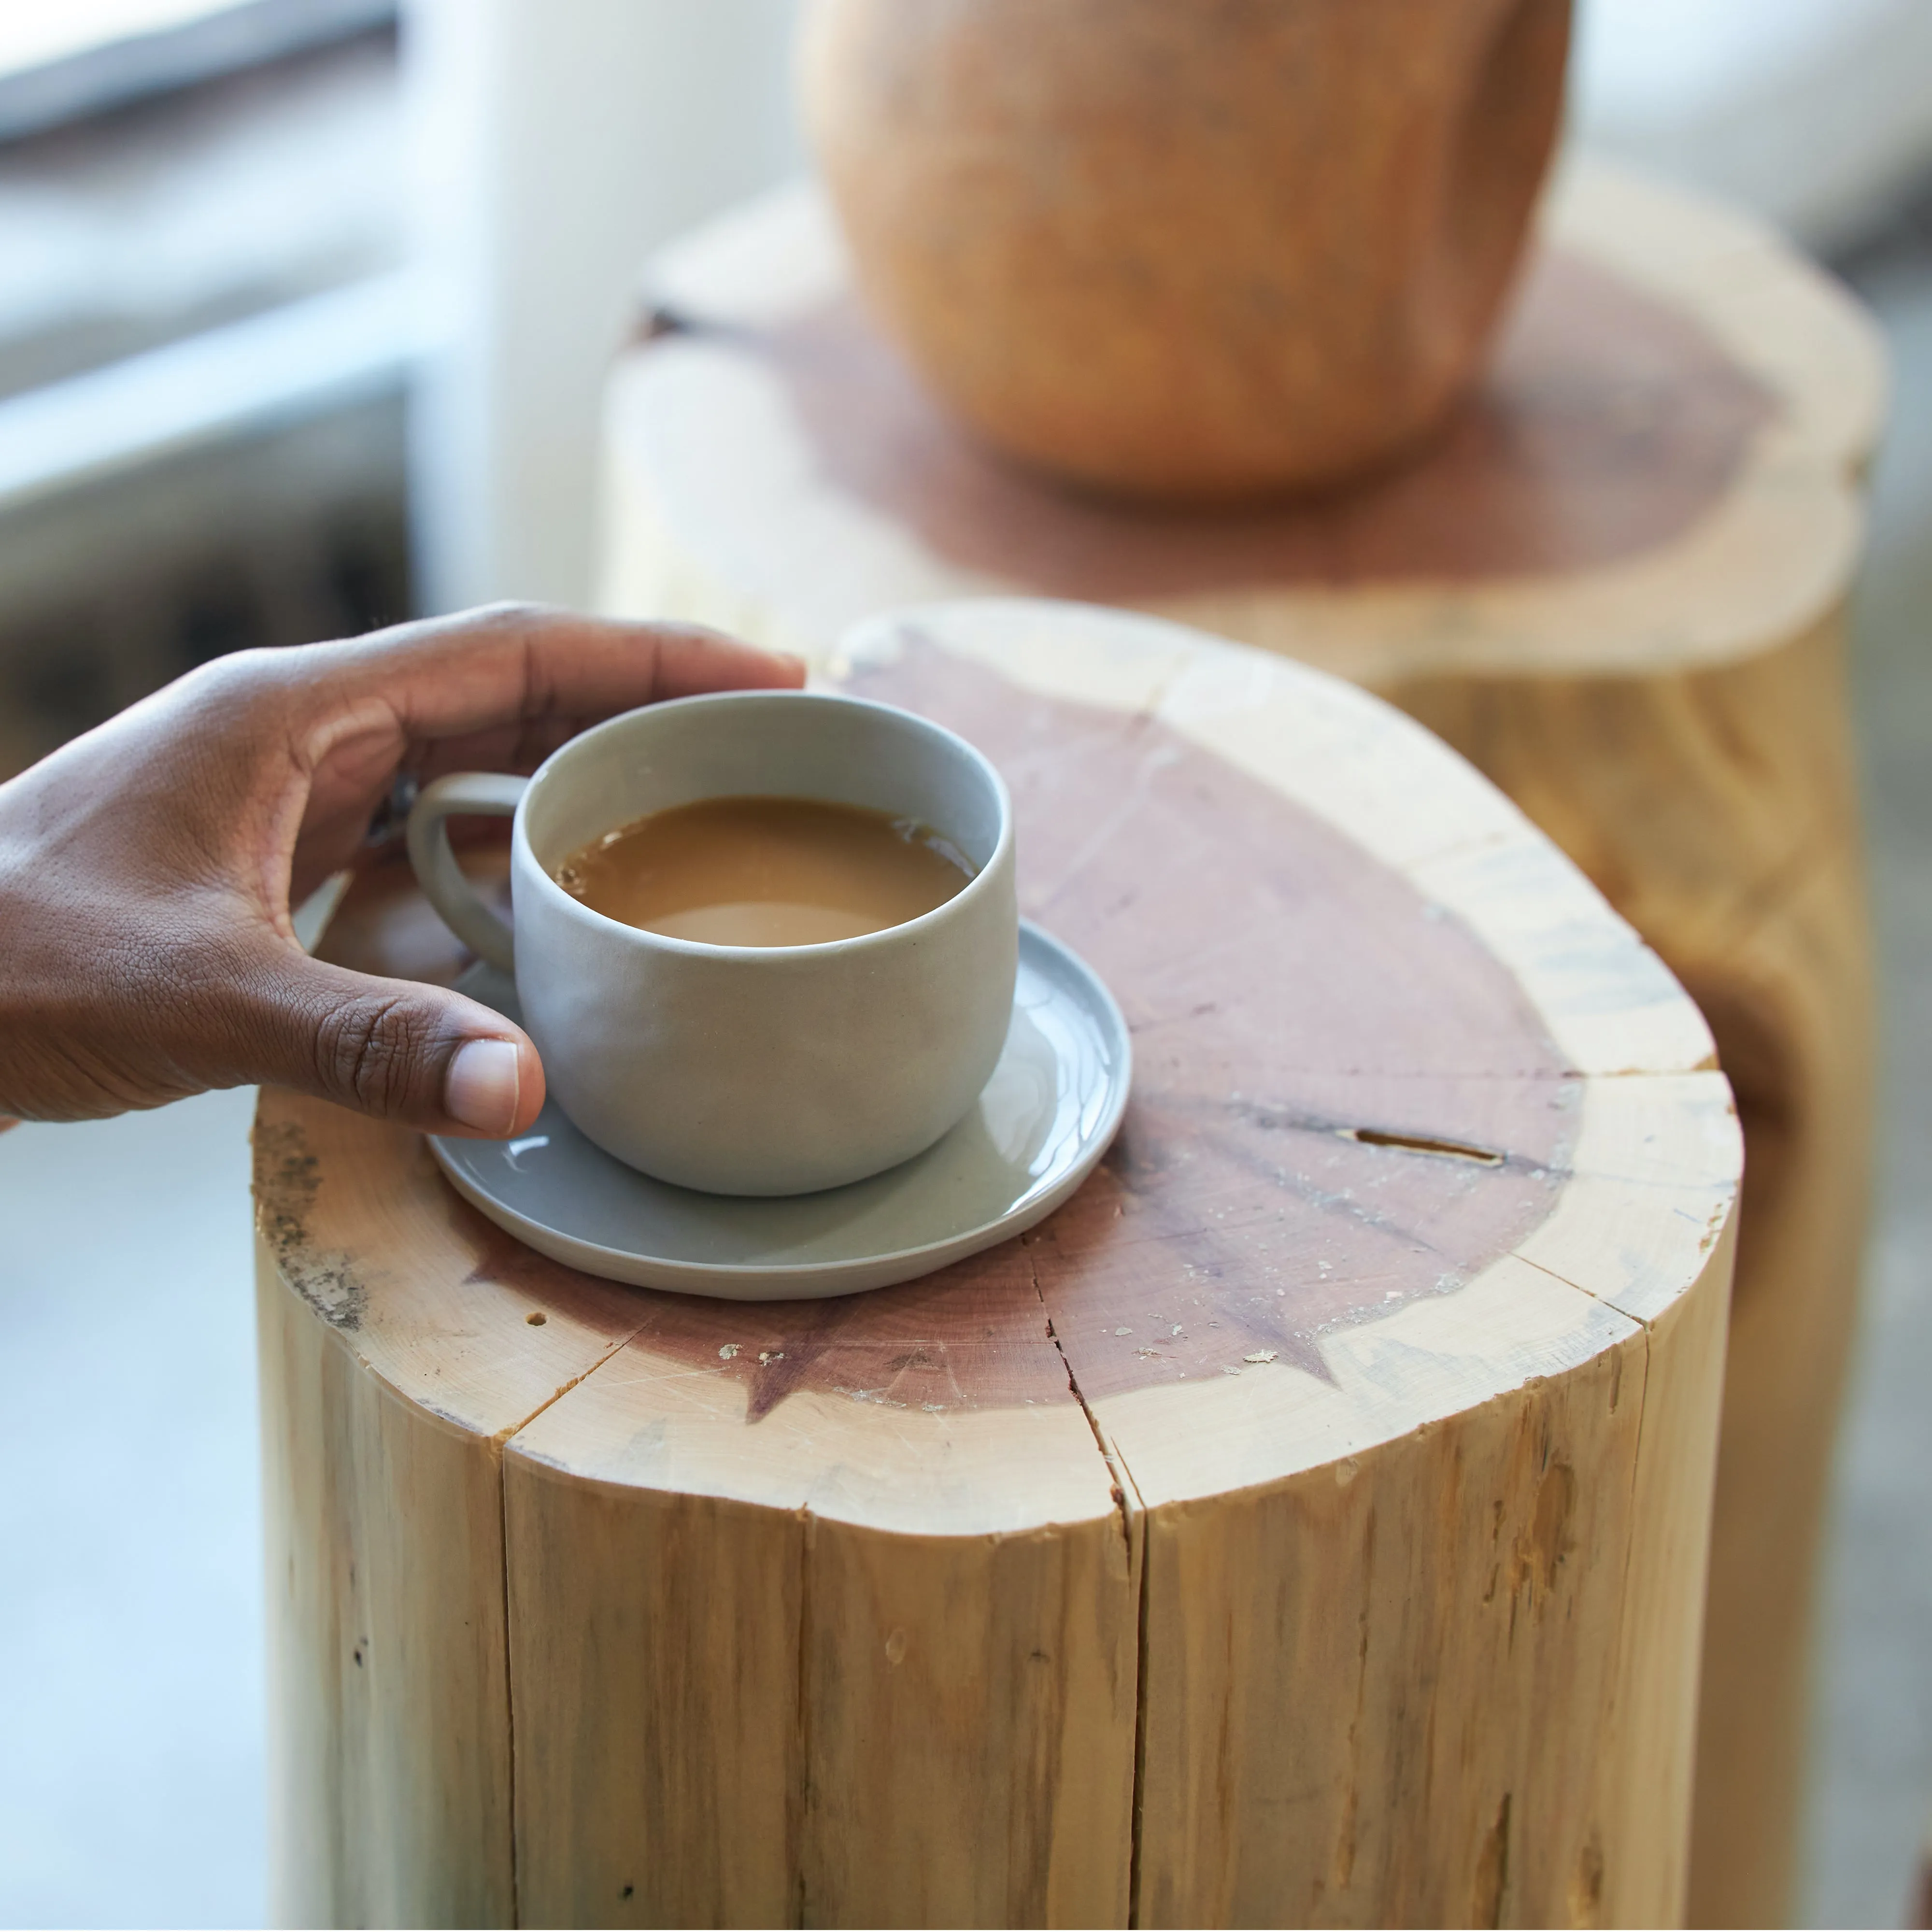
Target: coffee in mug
{"x": 766, "y": 872}
{"x": 774, "y": 1065}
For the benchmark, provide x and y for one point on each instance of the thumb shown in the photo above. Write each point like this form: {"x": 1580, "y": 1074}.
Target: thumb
{"x": 394, "y": 1049}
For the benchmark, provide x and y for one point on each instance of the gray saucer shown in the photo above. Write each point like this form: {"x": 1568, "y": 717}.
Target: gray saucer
{"x": 1044, "y": 1120}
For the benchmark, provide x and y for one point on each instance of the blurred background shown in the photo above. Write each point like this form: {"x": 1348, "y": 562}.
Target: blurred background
{"x": 305, "y": 307}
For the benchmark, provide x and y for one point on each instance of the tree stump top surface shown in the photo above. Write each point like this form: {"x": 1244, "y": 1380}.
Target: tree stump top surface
{"x": 1415, "y": 1118}
{"x": 1658, "y": 464}
{"x": 1608, "y": 425}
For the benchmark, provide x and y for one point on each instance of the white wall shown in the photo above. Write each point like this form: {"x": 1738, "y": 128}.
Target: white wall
{"x": 556, "y": 141}
{"x": 1816, "y": 113}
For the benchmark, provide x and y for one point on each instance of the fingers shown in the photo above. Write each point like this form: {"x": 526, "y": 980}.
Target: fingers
{"x": 518, "y": 666}
{"x": 392, "y": 1048}
{"x": 693, "y": 657}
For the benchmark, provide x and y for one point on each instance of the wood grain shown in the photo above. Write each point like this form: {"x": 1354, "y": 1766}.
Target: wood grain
{"x": 1731, "y": 839}
{"x": 390, "y": 1747}
{"x": 1554, "y": 462}
{"x": 1618, "y": 586}
{"x": 1372, "y": 1599}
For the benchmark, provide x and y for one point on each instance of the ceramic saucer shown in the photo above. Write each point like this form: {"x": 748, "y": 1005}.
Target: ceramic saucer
{"x": 1044, "y": 1120}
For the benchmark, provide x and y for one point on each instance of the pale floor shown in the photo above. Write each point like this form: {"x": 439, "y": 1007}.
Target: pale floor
{"x": 131, "y": 1624}
{"x": 130, "y": 1692}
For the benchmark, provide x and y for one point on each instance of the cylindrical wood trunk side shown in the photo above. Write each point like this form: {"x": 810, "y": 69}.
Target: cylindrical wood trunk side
{"x": 1718, "y": 810}
{"x": 981, "y": 1768}
{"x": 389, "y": 1721}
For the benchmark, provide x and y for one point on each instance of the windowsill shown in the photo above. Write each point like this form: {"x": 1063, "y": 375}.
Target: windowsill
{"x": 225, "y": 256}
{"x": 87, "y": 57}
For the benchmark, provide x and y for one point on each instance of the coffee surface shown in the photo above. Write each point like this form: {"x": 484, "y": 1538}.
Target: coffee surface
{"x": 765, "y": 871}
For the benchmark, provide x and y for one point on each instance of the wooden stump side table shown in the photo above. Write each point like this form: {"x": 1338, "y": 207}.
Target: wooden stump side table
{"x": 1306, "y": 1524}
{"x": 1618, "y": 587}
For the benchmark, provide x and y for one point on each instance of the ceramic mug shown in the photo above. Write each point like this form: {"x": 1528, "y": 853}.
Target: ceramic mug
{"x": 746, "y": 1069}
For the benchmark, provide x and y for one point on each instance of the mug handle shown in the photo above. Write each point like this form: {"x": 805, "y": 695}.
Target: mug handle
{"x": 444, "y": 884}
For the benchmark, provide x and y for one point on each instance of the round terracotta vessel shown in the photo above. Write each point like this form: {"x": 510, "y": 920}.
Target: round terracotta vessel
{"x": 1188, "y": 248}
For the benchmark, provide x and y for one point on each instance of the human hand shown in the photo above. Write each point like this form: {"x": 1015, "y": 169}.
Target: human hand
{"x": 147, "y": 869}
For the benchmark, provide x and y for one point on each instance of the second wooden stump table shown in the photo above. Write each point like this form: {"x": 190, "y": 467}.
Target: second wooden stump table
{"x": 1307, "y": 1523}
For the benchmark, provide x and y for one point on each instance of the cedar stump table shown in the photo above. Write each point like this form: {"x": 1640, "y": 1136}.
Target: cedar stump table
{"x": 1618, "y": 586}
{"x": 1307, "y": 1523}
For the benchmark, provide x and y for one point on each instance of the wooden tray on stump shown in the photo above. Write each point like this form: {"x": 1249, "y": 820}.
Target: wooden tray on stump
{"x": 1618, "y": 587}
{"x": 1307, "y": 1523}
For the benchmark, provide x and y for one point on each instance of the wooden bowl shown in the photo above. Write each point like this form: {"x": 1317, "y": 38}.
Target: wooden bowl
{"x": 1189, "y": 251}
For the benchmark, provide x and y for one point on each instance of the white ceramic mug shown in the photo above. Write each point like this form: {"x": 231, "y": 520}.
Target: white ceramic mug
{"x": 746, "y": 1069}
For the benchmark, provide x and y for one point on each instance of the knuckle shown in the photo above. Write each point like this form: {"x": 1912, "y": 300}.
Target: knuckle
{"x": 371, "y": 1053}
{"x": 244, "y": 689}
{"x": 235, "y": 674}
{"x": 515, "y": 614}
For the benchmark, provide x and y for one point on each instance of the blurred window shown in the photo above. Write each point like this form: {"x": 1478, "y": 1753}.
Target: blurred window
{"x": 207, "y": 324}
{"x": 62, "y": 63}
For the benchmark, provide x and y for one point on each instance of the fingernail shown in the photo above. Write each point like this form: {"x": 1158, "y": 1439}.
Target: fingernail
{"x": 480, "y": 1089}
